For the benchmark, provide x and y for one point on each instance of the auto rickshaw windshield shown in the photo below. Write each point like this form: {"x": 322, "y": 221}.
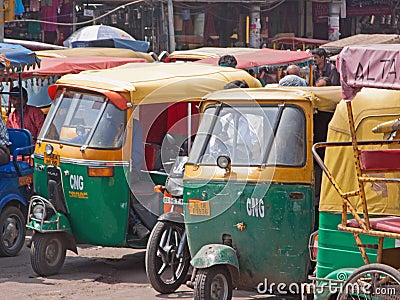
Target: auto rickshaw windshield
{"x": 78, "y": 118}
{"x": 251, "y": 135}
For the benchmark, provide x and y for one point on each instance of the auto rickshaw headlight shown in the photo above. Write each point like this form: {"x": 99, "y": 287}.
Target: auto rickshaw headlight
{"x": 224, "y": 162}
{"x": 39, "y": 212}
{"x": 174, "y": 186}
{"x": 49, "y": 149}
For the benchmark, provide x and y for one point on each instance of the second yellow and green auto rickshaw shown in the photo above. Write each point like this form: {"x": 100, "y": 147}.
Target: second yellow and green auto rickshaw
{"x": 88, "y": 151}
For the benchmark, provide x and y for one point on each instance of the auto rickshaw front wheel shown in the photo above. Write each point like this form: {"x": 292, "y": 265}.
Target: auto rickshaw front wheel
{"x": 214, "y": 283}
{"x": 12, "y": 231}
{"x": 47, "y": 253}
{"x": 165, "y": 270}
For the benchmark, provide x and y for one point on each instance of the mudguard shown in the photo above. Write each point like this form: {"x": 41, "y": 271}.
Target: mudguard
{"x": 12, "y": 197}
{"x": 330, "y": 285}
{"x": 59, "y": 223}
{"x": 172, "y": 216}
{"x": 215, "y": 254}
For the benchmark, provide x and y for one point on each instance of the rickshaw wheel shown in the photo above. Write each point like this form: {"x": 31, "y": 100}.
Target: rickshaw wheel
{"x": 213, "y": 283}
{"x": 372, "y": 281}
{"x": 47, "y": 253}
{"x": 165, "y": 271}
{"x": 12, "y": 231}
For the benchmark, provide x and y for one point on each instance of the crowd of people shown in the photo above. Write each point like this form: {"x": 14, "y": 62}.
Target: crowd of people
{"x": 324, "y": 72}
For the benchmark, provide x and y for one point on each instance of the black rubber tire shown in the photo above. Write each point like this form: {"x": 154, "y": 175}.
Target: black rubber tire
{"x": 159, "y": 252}
{"x": 12, "y": 231}
{"x": 362, "y": 276}
{"x": 47, "y": 253}
{"x": 214, "y": 283}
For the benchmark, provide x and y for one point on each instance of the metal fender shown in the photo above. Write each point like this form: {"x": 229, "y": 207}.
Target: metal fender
{"x": 171, "y": 216}
{"x": 59, "y": 223}
{"x": 330, "y": 284}
{"x": 12, "y": 197}
{"x": 215, "y": 254}
{"x": 68, "y": 239}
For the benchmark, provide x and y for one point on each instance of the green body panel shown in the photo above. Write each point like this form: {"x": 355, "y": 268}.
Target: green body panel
{"x": 217, "y": 254}
{"x": 325, "y": 289}
{"x": 274, "y": 241}
{"x": 98, "y": 206}
{"x": 337, "y": 250}
{"x": 63, "y": 224}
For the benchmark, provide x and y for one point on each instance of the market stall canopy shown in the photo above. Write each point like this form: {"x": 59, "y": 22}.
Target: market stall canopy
{"x": 368, "y": 66}
{"x": 267, "y": 58}
{"x": 141, "y": 46}
{"x": 95, "y": 51}
{"x": 72, "y": 65}
{"x": 206, "y": 52}
{"x": 97, "y": 32}
{"x": 14, "y": 58}
{"x": 33, "y": 45}
{"x": 335, "y": 47}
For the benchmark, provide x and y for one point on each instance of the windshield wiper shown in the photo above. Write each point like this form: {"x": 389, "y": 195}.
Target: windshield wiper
{"x": 274, "y": 130}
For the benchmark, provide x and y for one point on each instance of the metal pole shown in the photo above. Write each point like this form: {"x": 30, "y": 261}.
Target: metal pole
{"x": 73, "y": 16}
{"x": 2, "y": 19}
{"x": 171, "y": 29}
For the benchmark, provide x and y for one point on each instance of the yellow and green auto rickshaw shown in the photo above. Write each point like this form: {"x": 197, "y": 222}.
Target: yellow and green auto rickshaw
{"x": 249, "y": 188}
{"x": 359, "y": 222}
{"x": 85, "y": 156}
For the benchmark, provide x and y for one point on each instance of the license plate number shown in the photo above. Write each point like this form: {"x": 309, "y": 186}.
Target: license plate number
{"x": 199, "y": 208}
{"x": 52, "y": 159}
{"x": 170, "y": 200}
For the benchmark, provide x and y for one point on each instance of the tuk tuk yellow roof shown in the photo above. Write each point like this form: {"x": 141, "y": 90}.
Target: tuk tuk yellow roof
{"x": 370, "y": 107}
{"x": 322, "y": 98}
{"x": 94, "y": 51}
{"x": 159, "y": 82}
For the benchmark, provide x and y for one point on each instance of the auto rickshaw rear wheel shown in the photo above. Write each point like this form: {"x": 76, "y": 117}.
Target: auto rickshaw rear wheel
{"x": 12, "y": 231}
{"x": 214, "y": 283}
{"x": 47, "y": 253}
{"x": 165, "y": 271}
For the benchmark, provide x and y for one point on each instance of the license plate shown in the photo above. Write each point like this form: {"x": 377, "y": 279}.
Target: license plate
{"x": 170, "y": 200}
{"x": 52, "y": 159}
{"x": 25, "y": 180}
{"x": 199, "y": 208}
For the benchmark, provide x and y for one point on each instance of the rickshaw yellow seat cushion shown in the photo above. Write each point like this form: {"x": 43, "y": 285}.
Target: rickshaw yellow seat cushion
{"x": 374, "y": 160}
{"x": 388, "y": 224}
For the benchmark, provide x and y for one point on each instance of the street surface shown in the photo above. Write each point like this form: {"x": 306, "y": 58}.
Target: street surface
{"x": 97, "y": 273}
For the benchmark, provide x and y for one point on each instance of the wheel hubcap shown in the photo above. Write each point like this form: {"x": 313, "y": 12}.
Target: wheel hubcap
{"x": 10, "y": 232}
{"x": 219, "y": 288}
{"x": 53, "y": 252}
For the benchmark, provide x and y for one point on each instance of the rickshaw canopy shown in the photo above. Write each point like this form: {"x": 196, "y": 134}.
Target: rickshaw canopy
{"x": 95, "y": 51}
{"x": 14, "y": 58}
{"x": 376, "y": 66}
{"x": 269, "y": 58}
{"x": 322, "y": 99}
{"x": 155, "y": 83}
{"x": 206, "y": 52}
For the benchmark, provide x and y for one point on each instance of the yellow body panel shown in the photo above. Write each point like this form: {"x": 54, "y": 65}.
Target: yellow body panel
{"x": 159, "y": 83}
{"x": 305, "y": 100}
{"x": 370, "y": 108}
